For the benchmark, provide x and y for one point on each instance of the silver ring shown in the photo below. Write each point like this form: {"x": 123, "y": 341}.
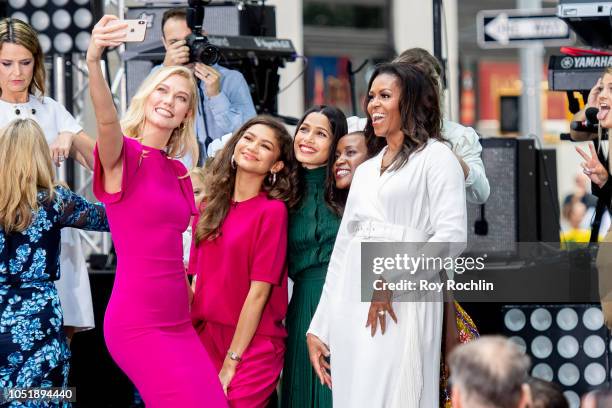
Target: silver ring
{"x": 381, "y": 312}
{"x": 61, "y": 157}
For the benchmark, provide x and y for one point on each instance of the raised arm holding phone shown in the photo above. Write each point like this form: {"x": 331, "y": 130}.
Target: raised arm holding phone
{"x": 147, "y": 326}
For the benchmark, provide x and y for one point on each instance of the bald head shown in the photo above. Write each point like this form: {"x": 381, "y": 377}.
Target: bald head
{"x": 490, "y": 371}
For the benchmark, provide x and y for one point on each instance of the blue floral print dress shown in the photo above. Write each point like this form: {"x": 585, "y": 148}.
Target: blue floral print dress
{"x": 33, "y": 348}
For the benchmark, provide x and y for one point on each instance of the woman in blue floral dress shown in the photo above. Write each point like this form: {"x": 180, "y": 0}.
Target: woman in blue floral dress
{"x": 33, "y": 210}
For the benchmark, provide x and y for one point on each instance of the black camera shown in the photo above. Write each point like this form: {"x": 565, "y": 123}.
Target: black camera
{"x": 200, "y": 49}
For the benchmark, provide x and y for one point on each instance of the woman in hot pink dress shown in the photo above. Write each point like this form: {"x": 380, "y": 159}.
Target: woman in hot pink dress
{"x": 149, "y": 202}
{"x": 240, "y": 239}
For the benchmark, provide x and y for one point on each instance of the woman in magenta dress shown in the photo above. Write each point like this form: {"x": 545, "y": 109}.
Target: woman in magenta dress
{"x": 149, "y": 202}
{"x": 240, "y": 238}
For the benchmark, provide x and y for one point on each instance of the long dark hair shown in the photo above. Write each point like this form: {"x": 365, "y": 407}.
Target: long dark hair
{"x": 221, "y": 178}
{"x": 419, "y": 111}
{"x": 339, "y": 128}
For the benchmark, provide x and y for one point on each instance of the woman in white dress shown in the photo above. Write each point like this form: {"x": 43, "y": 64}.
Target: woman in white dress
{"x": 412, "y": 191}
{"x": 22, "y": 88}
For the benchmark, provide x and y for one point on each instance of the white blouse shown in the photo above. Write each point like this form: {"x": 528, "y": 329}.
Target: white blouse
{"x": 73, "y": 286}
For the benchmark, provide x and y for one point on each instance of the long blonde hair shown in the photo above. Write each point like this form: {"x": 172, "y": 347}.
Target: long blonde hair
{"x": 183, "y": 139}
{"x": 26, "y": 169}
{"x": 15, "y": 31}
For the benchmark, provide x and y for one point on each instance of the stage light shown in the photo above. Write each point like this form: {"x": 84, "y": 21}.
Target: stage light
{"x": 82, "y": 41}
{"x": 568, "y": 374}
{"x": 59, "y": 23}
{"x": 40, "y": 20}
{"x": 62, "y": 43}
{"x": 83, "y": 18}
{"x": 595, "y": 374}
{"x": 567, "y": 319}
{"x": 541, "y": 347}
{"x": 515, "y": 319}
{"x": 568, "y": 344}
{"x": 519, "y": 342}
{"x": 594, "y": 346}
{"x": 543, "y": 371}
{"x": 61, "y": 19}
{"x": 593, "y": 319}
{"x": 541, "y": 319}
{"x": 17, "y": 4}
{"x": 45, "y": 43}
{"x": 568, "y": 347}
{"x": 20, "y": 16}
{"x": 572, "y": 398}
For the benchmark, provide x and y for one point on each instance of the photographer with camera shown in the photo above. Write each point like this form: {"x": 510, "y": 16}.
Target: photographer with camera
{"x": 225, "y": 100}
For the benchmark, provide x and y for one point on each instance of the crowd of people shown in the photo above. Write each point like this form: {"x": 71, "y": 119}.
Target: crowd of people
{"x": 206, "y": 321}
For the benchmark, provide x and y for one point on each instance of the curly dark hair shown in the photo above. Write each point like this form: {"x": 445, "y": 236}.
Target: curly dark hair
{"x": 339, "y": 128}
{"x": 221, "y": 178}
{"x": 419, "y": 108}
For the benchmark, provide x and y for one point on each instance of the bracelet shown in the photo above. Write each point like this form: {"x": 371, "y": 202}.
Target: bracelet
{"x": 234, "y": 356}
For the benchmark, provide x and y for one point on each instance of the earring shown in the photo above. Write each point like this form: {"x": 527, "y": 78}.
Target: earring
{"x": 233, "y": 162}
{"x": 272, "y": 178}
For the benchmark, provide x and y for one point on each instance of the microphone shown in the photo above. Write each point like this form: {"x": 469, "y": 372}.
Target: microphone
{"x": 591, "y": 124}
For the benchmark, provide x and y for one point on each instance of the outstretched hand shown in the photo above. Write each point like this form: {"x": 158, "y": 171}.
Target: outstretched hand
{"x": 108, "y": 32}
{"x": 592, "y": 167}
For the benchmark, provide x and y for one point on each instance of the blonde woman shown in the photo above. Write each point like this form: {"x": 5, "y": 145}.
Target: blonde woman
{"x": 22, "y": 90}
{"x": 149, "y": 201}
{"x": 33, "y": 210}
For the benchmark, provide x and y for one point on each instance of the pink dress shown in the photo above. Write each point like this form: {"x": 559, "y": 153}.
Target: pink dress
{"x": 147, "y": 326}
{"x": 252, "y": 246}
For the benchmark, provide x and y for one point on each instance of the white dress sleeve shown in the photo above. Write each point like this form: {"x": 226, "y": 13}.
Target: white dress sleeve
{"x": 466, "y": 145}
{"x": 320, "y": 324}
{"x": 65, "y": 121}
{"x": 446, "y": 197}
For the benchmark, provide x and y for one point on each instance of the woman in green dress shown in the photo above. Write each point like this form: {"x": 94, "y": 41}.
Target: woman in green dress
{"x": 313, "y": 225}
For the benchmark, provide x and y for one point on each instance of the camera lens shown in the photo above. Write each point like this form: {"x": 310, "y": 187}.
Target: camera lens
{"x": 208, "y": 54}
{"x": 200, "y": 50}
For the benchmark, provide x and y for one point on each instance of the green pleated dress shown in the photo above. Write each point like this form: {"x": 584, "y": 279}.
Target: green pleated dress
{"x": 312, "y": 233}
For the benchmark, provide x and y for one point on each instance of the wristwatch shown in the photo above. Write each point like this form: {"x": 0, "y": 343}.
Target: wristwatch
{"x": 234, "y": 356}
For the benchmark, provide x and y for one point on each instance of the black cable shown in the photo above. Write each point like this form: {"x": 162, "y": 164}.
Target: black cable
{"x": 298, "y": 76}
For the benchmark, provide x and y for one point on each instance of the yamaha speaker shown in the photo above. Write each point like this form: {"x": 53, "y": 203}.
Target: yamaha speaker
{"x": 523, "y": 204}
{"x": 510, "y": 214}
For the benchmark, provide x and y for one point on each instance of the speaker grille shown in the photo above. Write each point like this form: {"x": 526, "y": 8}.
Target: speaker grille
{"x": 222, "y": 20}
{"x": 499, "y": 158}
